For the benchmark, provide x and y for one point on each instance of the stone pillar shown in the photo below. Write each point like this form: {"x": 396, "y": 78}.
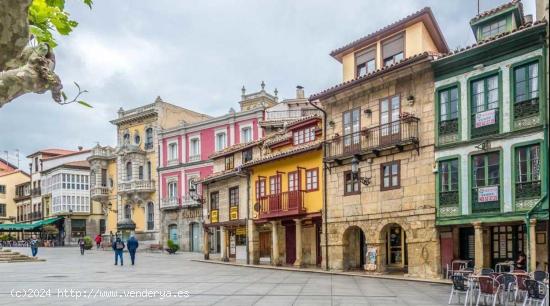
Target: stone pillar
{"x": 68, "y": 231}
{"x": 456, "y": 242}
{"x": 298, "y": 261}
{"x": 478, "y": 236}
{"x": 223, "y": 240}
{"x": 275, "y": 243}
{"x": 253, "y": 243}
{"x": 206, "y": 244}
{"x": 532, "y": 259}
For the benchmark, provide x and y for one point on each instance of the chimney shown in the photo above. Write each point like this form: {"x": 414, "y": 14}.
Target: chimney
{"x": 300, "y": 92}
{"x": 528, "y": 18}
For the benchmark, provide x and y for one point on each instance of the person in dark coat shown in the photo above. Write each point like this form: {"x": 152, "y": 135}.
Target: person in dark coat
{"x": 132, "y": 246}
{"x": 81, "y": 244}
{"x": 118, "y": 247}
{"x": 34, "y": 246}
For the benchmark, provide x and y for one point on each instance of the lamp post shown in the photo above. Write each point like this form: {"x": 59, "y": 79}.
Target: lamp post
{"x": 355, "y": 171}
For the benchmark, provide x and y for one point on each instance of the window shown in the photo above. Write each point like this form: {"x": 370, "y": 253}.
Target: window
{"x": 214, "y": 200}
{"x": 390, "y": 173}
{"x": 149, "y": 138}
{"x": 126, "y": 138}
{"x": 493, "y": 28}
{"x": 148, "y": 171}
{"x": 312, "y": 179}
{"x": 172, "y": 151}
{"x": 246, "y": 135}
{"x": 102, "y": 226}
{"x": 304, "y": 135}
{"x": 393, "y": 50}
{"x": 526, "y": 82}
{"x": 528, "y": 178}
{"x": 351, "y": 125}
{"x": 485, "y": 94}
{"x": 390, "y": 108}
{"x": 485, "y": 182}
{"x": 229, "y": 162}
{"x": 194, "y": 145}
{"x": 128, "y": 171}
{"x": 78, "y": 228}
{"x": 448, "y": 175}
{"x": 293, "y": 181}
{"x": 260, "y": 188}
{"x": 351, "y": 183}
{"x": 234, "y": 196}
{"x": 220, "y": 141}
{"x": 365, "y": 62}
{"x": 127, "y": 211}
{"x": 36, "y": 164}
{"x": 172, "y": 190}
{"x": 137, "y": 139}
{"x": 2, "y": 210}
{"x": 103, "y": 178}
{"x": 247, "y": 155}
{"x": 140, "y": 172}
{"x": 275, "y": 184}
{"x": 3, "y": 189}
{"x": 448, "y": 104}
{"x": 150, "y": 216}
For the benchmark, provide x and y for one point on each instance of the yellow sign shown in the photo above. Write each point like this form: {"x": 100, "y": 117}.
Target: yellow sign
{"x": 240, "y": 231}
{"x": 234, "y": 213}
{"x": 214, "y": 218}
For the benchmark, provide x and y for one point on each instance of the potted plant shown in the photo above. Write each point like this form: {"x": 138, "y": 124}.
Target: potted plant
{"x": 88, "y": 243}
{"x": 410, "y": 99}
{"x": 172, "y": 247}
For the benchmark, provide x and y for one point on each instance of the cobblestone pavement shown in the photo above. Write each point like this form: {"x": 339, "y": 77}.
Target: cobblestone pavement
{"x": 94, "y": 280}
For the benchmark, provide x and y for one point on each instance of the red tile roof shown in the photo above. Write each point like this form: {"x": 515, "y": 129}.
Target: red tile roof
{"x": 498, "y": 9}
{"x": 235, "y": 148}
{"x": 295, "y": 150}
{"x": 13, "y": 172}
{"x": 53, "y": 152}
{"x": 216, "y": 175}
{"x": 68, "y": 154}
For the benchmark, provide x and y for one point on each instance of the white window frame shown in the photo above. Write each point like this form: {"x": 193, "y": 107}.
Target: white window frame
{"x": 170, "y": 182}
{"x": 170, "y": 144}
{"x": 242, "y": 129}
{"x": 220, "y": 132}
{"x": 191, "y": 139}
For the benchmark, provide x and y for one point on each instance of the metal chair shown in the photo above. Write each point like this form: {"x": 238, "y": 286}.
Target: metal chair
{"x": 488, "y": 287}
{"x": 486, "y": 271}
{"x": 539, "y": 275}
{"x": 456, "y": 265}
{"x": 460, "y": 286}
{"x": 520, "y": 287}
{"x": 536, "y": 292}
{"x": 508, "y": 283}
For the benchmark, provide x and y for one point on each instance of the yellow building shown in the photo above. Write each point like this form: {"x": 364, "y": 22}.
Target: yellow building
{"x": 9, "y": 180}
{"x": 124, "y": 179}
{"x": 286, "y": 199}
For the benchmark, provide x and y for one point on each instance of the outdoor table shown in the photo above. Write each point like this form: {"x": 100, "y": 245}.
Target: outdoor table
{"x": 498, "y": 267}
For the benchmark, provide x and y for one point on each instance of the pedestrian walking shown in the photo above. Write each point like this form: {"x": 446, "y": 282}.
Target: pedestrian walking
{"x": 98, "y": 241}
{"x": 118, "y": 247}
{"x": 81, "y": 245}
{"x": 132, "y": 246}
{"x": 34, "y": 246}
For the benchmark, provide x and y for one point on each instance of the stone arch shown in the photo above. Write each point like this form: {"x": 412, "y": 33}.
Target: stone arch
{"x": 353, "y": 248}
{"x": 394, "y": 245}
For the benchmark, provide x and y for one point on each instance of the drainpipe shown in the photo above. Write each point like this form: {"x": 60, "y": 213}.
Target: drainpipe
{"x": 325, "y": 230}
{"x": 247, "y": 216}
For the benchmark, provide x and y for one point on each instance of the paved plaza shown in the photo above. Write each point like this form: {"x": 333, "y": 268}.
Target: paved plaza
{"x": 94, "y": 279}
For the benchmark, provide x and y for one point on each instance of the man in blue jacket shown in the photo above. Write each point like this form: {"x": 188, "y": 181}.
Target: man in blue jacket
{"x": 132, "y": 247}
{"x": 118, "y": 247}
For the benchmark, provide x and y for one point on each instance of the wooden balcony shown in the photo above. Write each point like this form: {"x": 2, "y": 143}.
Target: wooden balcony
{"x": 398, "y": 134}
{"x": 281, "y": 205}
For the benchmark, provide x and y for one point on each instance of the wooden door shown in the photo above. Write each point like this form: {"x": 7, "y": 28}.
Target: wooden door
{"x": 290, "y": 242}
{"x": 390, "y": 129}
{"x": 447, "y": 246}
{"x": 265, "y": 244}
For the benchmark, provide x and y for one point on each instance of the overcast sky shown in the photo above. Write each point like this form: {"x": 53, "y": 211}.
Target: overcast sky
{"x": 198, "y": 54}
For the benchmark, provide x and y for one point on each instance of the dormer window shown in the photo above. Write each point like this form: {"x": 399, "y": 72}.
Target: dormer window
{"x": 393, "y": 50}
{"x": 365, "y": 62}
{"x": 494, "y": 28}
{"x": 304, "y": 135}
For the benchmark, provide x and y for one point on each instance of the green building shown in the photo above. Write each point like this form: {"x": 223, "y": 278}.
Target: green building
{"x": 491, "y": 142}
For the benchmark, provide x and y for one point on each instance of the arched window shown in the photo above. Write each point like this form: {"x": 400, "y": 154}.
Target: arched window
{"x": 149, "y": 138}
{"x": 129, "y": 171}
{"x": 137, "y": 138}
{"x": 150, "y": 216}
{"x": 126, "y": 138}
{"x": 140, "y": 172}
{"x": 127, "y": 211}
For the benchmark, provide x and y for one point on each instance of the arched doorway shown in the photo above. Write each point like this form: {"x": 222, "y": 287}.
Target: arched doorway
{"x": 173, "y": 233}
{"x": 396, "y": 247}
{"x": 354, "y": 248}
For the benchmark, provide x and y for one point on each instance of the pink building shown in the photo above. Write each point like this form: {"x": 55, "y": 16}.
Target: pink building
{"x": 184, "y": 159}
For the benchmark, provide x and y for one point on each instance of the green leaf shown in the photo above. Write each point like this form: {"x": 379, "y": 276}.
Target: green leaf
{"x": 64, "y": 96}
{"x": 88, "y": 3}
{"x": 56, "y": 3}
{"x": 84, "y": 103}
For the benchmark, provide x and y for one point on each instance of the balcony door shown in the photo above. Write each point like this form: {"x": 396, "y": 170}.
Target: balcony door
{"x": 390, "y": 131}
{"x": 351, "y": 125}
{"x": 275, "y": 193}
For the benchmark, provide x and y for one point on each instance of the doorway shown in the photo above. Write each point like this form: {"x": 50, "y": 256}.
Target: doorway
{"x": 195, "y": 237}
{"x": 354, "y": 248}
{"x": 173, "y": 233}
{"x": 396, "y": 247}
{"x": 265, "y": 244}
{"x": 290, "y": 242}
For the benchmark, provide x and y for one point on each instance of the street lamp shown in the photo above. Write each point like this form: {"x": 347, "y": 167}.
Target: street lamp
{"x": 355, "y": 171}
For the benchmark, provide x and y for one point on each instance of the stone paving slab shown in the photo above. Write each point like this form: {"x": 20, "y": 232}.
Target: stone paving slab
{"x": 205, "y": 284}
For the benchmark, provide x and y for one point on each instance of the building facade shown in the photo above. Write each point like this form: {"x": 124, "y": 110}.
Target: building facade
{"x": 186, "y": 152}
{"x": 11, "y": 185}
{"x": 492, "y": 138}
{"x": 380, "y": 199}
{"x": 125, "y": 178}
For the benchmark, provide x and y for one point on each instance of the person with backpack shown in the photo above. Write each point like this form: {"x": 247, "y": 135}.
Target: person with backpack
{"x": 132, "y": 248}
{"x": 118, "y": 247}
{"x": 34, "y": 246}
{"x": 98, "y": 240}
{"x": 81, "y": 245}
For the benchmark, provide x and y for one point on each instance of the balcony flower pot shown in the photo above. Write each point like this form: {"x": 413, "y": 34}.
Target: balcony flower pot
{"x": 410, "y": 100}
{"x": 172, "y": 247}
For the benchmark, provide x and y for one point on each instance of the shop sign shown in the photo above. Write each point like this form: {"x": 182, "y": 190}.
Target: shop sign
{"x": 486, "y": 118}
{"x": 234, "y": 213}
{"x": 372, "y": 253}
{"x": 214, "y": 216}
{"x": 487, "y": 194}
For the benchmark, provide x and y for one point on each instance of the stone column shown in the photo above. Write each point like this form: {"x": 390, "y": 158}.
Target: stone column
{"x": 532, "y": 261}
{"x": 253, "y": 243}
{"x": 275, "y": 243}
{"x": 68, "y": 231}
{"x": 478, "y": 236}
{"x": 206, "y": 244}
{"x": 298, "y": 261}
{"x": 223, "y": 240}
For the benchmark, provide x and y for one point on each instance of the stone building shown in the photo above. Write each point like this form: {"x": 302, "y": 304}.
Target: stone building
{"x": 491, "y": 147}
{"x": 379, "y": 153}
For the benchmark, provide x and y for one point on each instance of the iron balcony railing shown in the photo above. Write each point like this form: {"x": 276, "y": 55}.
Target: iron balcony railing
{"x": 385, "y": 136}
{"x": 186, "y": 201}
{"x": 282, "y": 204}
{"x": 170, "y": 203}
{"x": 137, "y": 186}
{"x": 148, "y": 145}
{"x": 189, "y": 200}
{"x": 448, "y": 127}
{"x": 194, "y": 158}
{"x": 36, "y": 191}
{"x": 484, "y": 207}
{"x": 487, "y": 128}
{"x": 448, "y": 198}
{"x": 291, "y": 114}
{"x": 527, "y": 108}
{"x": 528, "y": 190}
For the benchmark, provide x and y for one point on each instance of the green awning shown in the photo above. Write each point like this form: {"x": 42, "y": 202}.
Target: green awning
{"x": 19, "y": 227}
